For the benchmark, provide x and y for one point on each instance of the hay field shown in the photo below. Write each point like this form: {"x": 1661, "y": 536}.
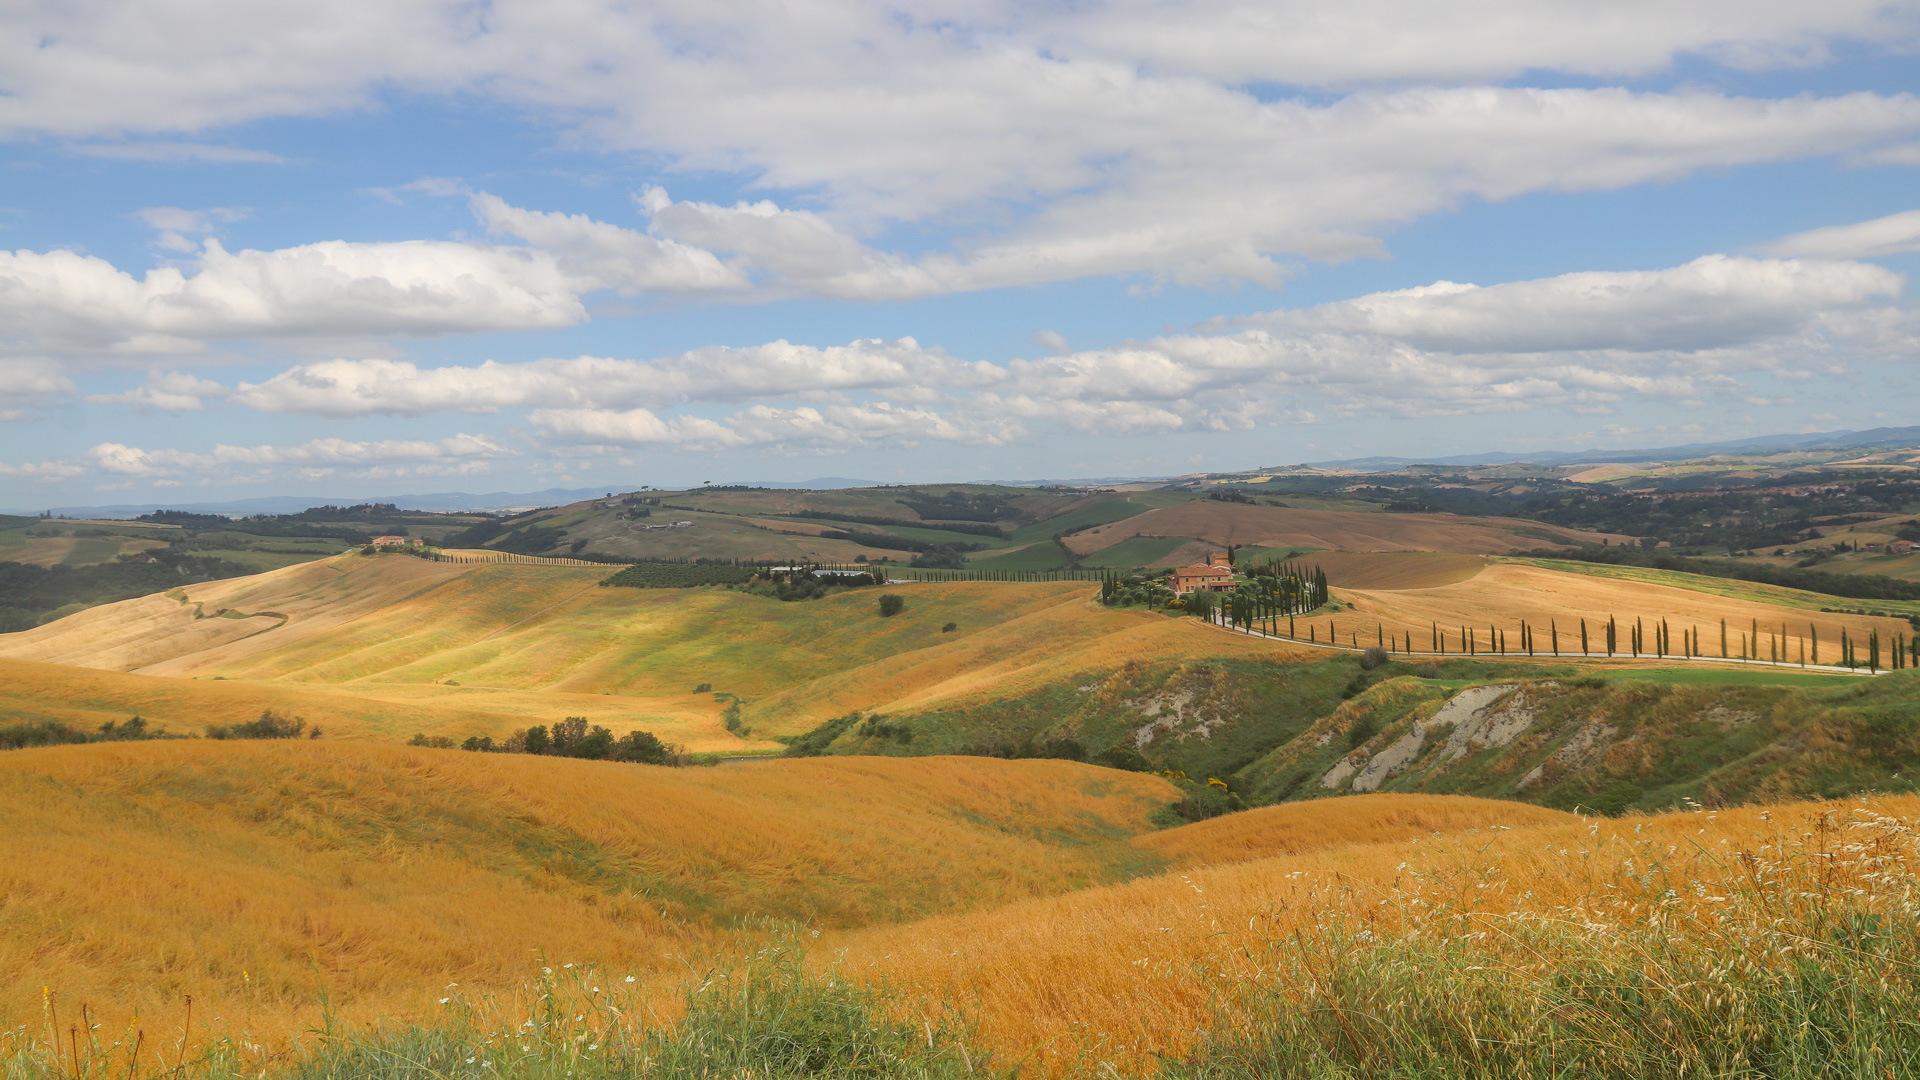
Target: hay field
{"x": 252, "y": 874}
{"x": 1285, "y": 527}
{"x": 1124, "y": 974}
{"x": 1395, "y": 569}
{"x": 1506, "y": 592}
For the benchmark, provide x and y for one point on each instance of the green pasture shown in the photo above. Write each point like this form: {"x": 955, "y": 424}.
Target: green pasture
{"x": 1038, "y": 555}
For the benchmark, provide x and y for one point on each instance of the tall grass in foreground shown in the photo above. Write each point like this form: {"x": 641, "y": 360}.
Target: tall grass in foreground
{"x": 769, "y": 1018}
{"x": 1795, "y": 958}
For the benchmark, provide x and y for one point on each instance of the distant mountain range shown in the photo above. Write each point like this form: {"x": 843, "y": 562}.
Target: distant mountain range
{"x": 512, "y": 500}
{"x": 1765, "y": 444}
{"x": 439, "y": 501}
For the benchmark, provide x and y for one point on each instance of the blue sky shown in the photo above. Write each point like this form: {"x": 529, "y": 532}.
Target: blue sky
{"x": 362, "y": 249}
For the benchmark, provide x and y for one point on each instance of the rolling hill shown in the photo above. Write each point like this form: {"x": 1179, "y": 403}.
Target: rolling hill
{"x": 376, "y": 645}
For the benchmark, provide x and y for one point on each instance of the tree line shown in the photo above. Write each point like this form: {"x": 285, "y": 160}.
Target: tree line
{"x": 571, "y": 737}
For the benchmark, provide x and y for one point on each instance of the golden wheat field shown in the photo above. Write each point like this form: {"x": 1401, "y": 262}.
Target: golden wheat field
{"x": 255, "y": 875}
{"x": 1505, "y": 593}
{"x": 1032, "y": 896}
{"x": 1127, "y": 973}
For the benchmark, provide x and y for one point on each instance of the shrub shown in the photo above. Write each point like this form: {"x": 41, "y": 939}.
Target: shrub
{"x": 269, "y": 726}
{"x": 1428, "y": 670}
{"x": 1363, "y": 729}
{"x": 438, "y": 742}
{"x": 891, "y": 604}
{"x": 949, "y": 628}
{"x": 481, "y": 743}
{"x": 1373, "y": 657}
{"x": 645, "y": 748}
{"x": 1122, "y": 757}
{"x": 705, "y": 687}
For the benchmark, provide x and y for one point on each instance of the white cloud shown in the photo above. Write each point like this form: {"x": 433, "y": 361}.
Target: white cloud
{"x": 1580, "y": 341}
{"x": 29, "y": 382}
{"x": 1078, "y": 140}
{"x": 334, "y": 289}
{"x": 1895, "y": 234}
{"x": 595, "y": 255}
{"x": 46, "y": 471}
{"x": 171, "y": 391}
{"x": 134, "y": 461}
{"x": 1714, "y": 301}
{"x": 353, "y": 387}
{"x": 830, "y": 427}
{"x": 174, "y": 224}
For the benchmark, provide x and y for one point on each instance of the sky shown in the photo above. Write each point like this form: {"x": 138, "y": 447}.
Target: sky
{"x": 253, "y": 247}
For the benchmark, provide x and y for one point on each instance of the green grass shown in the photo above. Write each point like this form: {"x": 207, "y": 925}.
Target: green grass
{"x": 1042, "y": 555}
{"x": 12, "y": 538}
{"x": 1115, "y": 508}
{"x": 1731, "y": 588}
{"x": 91, "y": 549}
{"x": 1730, "y": 676}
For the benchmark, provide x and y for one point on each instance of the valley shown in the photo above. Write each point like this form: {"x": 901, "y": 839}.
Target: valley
{"x": 1080, "y": 836}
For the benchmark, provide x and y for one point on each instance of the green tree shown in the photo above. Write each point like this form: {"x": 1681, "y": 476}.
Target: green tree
{"x": 891, "y": 604}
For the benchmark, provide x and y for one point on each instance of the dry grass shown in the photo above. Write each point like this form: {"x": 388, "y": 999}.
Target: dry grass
{"x": 1507, "y": 592}
{"x": 1127, "y": 973}
{"x": 1395, "y": 569}
{"x": 1300, "y": 828}
{"x": 1344, "y": 530}
{"x": 254, "y": 875}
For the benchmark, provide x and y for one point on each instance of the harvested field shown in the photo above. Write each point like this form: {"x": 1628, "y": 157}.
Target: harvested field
{"x": 1507, "y": 592}
{"x": 1283, "y": 527}
{"x": 1395, "y": 569}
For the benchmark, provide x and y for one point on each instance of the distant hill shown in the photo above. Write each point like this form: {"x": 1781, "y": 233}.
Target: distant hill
{"x": 1764, "y": 444}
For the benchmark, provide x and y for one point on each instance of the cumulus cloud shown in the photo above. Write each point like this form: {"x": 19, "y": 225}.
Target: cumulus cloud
{"x": 1714, "y": 301}
{"x": 1116, "y": 138}
{"x": 1895, "y": 234}
{"x": 358, "y": 387}
{"x": 830, "y": 427}
{"x": 133, "y": 461}
{"x": 171, "y": 391}
{"x": 332, "y": 289}
{"x": 1582, "y": 341}
{"x": 29, "y": 382}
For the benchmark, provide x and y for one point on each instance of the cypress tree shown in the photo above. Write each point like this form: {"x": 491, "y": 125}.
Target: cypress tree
{"x": 1813, "y": 635}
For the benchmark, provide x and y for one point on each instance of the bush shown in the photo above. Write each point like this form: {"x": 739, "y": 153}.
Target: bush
{"x": 269, "y": 726}
{"x": 949, "y": 628}
{"x": 1373, "y": 657}
{"x": 1363, "y": 729}
{"x": 437, "y": 742}
{"x": 891, "y": 604}
{"x": 1122, "y": 757}
{"x": 1428, "y": 670}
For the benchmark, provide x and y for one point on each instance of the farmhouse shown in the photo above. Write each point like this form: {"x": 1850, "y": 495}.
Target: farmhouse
{"x": 1213, "y": 574}
{"x": 395, "y": 541}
